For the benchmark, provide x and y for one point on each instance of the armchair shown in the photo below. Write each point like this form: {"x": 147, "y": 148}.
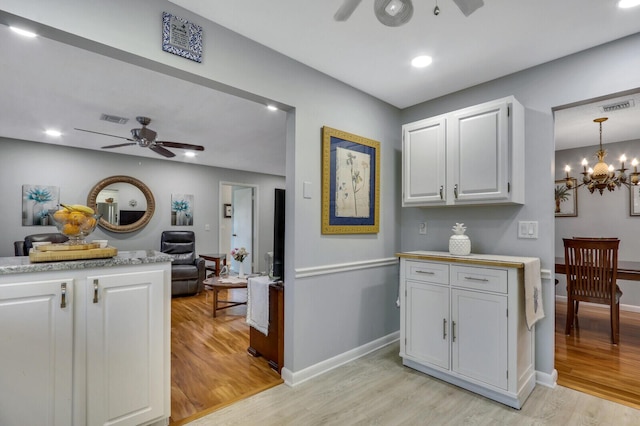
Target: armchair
{"x": 21, "y": 248}
{"x": 187, "y": 269}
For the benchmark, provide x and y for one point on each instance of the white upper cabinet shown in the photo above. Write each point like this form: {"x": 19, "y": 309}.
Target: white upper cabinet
{"x": 471, "y": 156}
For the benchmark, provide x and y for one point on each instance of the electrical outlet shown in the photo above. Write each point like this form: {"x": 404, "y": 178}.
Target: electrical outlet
{"x": 207, "y": 227}
{"x": 422, "y": 228}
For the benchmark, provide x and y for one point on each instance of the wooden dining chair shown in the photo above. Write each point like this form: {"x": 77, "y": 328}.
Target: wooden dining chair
{"x": 591, "y": 270}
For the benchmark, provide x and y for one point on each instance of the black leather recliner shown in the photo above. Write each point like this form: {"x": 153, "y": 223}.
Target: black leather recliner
{"x": 187, "y": 269}
{"x": 21, "y": 248}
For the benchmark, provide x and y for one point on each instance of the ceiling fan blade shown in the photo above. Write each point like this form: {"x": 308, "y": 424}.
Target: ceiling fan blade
{"x": 119, "y": 145}
{"x": 180, "y": 145}
{"x": 104, "y": 134}
{"x": 345, "y": 11}
{"x": 468, "y": 6}
{"x": 160, "y": 150}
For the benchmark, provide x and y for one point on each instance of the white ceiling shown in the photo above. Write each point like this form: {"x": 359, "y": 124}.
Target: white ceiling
{"x": 49, "y": 84}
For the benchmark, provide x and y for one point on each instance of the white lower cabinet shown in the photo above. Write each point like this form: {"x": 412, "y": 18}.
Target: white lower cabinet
{"x": 86, "y": 347}
{"x": 465, "y": 325}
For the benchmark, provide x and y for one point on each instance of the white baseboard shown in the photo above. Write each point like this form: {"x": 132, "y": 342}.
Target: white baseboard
{"x": 295, "y": 378}
{"x": 546, "y": 379}
{"x": 623, "y": 307}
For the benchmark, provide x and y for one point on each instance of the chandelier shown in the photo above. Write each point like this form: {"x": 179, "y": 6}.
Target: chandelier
{"x": 603, "y": 176}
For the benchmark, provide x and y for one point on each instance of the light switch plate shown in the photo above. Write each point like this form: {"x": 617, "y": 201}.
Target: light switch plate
{"x": 528, "y": 229}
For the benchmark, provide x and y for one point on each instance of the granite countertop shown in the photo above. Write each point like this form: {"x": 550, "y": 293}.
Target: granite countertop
{"x": 22, "y": 264}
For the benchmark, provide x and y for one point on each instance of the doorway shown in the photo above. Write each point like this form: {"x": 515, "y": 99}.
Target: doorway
{"x": 238, "y": 224}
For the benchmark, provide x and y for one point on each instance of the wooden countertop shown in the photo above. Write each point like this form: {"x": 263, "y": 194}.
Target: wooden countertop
{"x": 471, "y": 259}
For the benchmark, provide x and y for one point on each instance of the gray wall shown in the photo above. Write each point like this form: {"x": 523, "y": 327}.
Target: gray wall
{"x": 317, "y": 326}
{"x": 605, "y": 215}
{"x": 596, "y": 72}
{"x": 75, "y": 171}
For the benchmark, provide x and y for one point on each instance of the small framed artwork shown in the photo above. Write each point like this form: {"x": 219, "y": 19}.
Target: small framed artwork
{"x": 350, "y": 183}
{"x": 227, "y": 210}
{"x": 181, "y": 209}
{"x": 634, "y": 200}
{"x": 36, "y": 202}
{"x": 181, "y": 37}
{"x": 566, "y": 199}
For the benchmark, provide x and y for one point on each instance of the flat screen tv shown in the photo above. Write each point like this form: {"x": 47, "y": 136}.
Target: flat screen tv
{"x": 278, "y": 234}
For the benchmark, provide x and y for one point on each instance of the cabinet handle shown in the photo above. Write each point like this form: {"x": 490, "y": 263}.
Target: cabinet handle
{"x": 455, "y": 191}
{"x": 425, "y": 272}
{"x": 453, "y": 330}
{"x": 95, "y": 291}
{"x": 441, "y": 192}
{"x": 484, "y": 280}
{"x": 63, "y": 294}
{"x": 444, "y": 328}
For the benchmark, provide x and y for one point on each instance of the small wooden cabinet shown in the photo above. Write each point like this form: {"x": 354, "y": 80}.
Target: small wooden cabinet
{"x": 471, "y": 156}
{"x": 271, "y": 346}
{"x": 465, "y": 324}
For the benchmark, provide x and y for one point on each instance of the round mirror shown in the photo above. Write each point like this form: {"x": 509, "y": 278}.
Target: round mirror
{"x": 126, "y": 204}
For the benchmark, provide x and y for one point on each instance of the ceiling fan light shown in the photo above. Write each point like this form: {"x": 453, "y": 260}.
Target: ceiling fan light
{"x": 402, "y": 12}
{"x": 394, "y": 7}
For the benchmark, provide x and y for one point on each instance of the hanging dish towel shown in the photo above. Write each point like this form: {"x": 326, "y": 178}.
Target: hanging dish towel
{"x": 258, "y": 303}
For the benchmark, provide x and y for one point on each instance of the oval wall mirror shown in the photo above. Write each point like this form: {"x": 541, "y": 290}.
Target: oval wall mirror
{"x": 126, "y": 204}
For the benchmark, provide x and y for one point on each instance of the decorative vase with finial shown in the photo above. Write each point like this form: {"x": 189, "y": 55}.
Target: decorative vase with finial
{"x": 459, "y": 244}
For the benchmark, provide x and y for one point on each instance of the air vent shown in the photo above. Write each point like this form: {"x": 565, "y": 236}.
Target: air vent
{"x": 114, "y": 119}
{"x": 618, "y": 106}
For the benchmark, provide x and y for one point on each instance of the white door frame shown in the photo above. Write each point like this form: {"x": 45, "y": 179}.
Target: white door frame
{"x": 256, "y": 214}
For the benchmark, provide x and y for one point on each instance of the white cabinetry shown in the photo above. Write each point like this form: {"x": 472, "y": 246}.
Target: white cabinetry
{"x": 471, "y": 156}
{"x": 465, "y": 324}
{"x": 86, "y": 346}
{"x": 36, "y": 331}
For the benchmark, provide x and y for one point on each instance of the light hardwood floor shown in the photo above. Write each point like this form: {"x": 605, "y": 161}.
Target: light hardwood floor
{"x": 378, "y": 390}
{"x": 210, "y": 366}
{"x": 587, "y": 361}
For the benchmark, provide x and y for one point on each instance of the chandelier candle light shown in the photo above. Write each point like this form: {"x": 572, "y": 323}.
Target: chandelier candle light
{"x": 602, "y": 175}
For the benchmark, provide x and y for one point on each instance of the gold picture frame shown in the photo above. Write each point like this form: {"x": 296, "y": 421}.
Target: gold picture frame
{"x": 350, "y": 183}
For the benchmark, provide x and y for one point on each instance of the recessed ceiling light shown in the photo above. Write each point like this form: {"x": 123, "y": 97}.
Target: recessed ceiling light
{"x": 54, "y": 133}
{"x": 189, "y": 154}
{"x": 272, "y": 107}
{"x": 23, "y": 32}
{"x": 421, "y": 61}
{"x": 624, "y": 4}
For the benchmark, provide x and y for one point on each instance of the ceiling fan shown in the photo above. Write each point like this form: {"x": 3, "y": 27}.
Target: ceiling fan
{"x": 394, "y": 13}
{"x": 146, "y": 138}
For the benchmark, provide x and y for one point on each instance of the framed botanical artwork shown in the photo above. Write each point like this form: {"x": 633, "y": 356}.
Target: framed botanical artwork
{"x": 36, "y": 202}
{"x": 634, "y": 200}
{"x": 227, "y": 210}
{"x": 182, "y": 209}
{"x": 350, "y": 183}
{"x": 566, "y": 199}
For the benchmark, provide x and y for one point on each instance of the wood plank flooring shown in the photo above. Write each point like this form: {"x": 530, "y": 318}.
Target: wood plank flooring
{"x": 586, "y": 360}
{"x": 378, "y": 390}
{"x": 210, "y": 366}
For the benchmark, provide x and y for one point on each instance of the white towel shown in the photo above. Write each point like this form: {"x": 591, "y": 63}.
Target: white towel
{"x": 258, "y": 304}
{"x": 532, "y": 292}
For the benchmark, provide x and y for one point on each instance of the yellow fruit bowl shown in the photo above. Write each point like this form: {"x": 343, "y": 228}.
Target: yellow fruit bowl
{"x": 75, "y": 224}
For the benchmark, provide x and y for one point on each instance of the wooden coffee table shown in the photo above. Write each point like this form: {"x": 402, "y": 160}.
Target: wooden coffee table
{"x": 217, "y": 283}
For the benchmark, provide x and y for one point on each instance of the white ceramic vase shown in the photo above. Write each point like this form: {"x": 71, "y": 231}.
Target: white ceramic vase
{"x": 459, "y": 245}
{"x": 240, "y": 270}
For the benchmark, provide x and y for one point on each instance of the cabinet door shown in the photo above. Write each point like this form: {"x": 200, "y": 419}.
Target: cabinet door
{"x": 478, "y": 150}
{"x": 479, "y": 336}
{"x": 427, "y": 323}
{"x": 125, "y": 322}
{"x": 36, "y": 331}
{"x": 424, "y": 162}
